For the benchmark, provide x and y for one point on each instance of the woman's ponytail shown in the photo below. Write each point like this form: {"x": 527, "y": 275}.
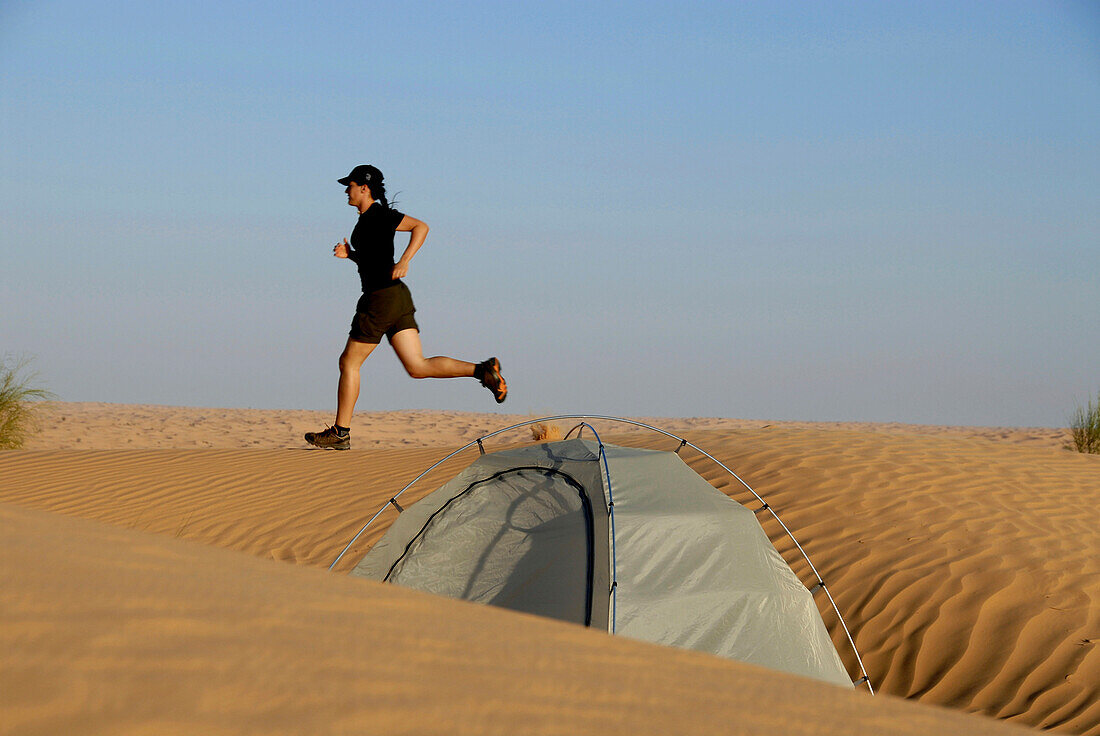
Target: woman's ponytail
{"x": 378, "y": 191}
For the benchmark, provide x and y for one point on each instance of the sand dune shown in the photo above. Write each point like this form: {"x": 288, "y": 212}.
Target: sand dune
{"x": 966, "y": 561}
{"x": 107, "y": 630}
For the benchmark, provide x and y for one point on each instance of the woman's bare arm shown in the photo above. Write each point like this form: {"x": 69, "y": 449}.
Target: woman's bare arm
{"x": 419, "y": 232}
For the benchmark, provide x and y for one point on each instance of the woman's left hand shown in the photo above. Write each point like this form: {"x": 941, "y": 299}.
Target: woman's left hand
{"x": 400, "y": 270}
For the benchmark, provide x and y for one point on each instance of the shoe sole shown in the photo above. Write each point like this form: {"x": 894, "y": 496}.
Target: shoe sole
{"x": 502, "y": 384}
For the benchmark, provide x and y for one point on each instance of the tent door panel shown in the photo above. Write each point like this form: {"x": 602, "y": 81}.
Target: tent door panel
{"x": 520, "y": 539}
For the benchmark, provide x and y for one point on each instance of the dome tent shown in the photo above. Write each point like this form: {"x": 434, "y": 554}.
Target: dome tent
{"x": 627, "y": 540}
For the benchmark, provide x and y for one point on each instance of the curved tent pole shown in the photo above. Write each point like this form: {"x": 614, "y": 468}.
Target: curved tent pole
{"x": 865, "y": 679}
{"x": 398, "y": 494}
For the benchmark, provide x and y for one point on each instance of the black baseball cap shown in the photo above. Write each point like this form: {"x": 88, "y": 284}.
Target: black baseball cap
{"x": 362, "y": 174}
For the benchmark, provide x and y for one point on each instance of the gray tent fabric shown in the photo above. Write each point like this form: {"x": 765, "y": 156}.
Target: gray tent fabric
{"x": 496, "y": 561}
{"x": 533, "y": 527}
{"x": 528, "y": 529}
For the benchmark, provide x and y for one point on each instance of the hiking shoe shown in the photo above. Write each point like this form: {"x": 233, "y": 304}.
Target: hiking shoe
{"x": 492, "y": 380}
{"x": 329, "y": 439}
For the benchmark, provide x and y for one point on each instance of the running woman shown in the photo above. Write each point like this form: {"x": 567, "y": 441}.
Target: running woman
{"x": 386, "y": 306}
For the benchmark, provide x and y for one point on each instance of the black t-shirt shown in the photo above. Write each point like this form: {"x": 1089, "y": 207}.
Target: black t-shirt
{"x": 372, "y": 246}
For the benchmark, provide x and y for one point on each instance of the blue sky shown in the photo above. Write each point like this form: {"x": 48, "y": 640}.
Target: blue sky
{"x": 821, "y": 211}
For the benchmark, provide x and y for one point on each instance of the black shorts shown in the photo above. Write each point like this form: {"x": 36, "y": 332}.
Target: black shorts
{"x": 386, "y": 311}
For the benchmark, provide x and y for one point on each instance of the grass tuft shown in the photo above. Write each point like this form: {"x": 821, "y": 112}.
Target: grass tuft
{"x": 17, "y": 397}
{"x": 1084, "y": 425}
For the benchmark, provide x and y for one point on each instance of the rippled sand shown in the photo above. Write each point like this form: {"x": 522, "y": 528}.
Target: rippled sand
{"x": 966, "y": 562}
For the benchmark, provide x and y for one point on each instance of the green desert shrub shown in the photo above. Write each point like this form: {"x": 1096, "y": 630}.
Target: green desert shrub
{"x": 1084, "y": 426}
{"x": 17, "y": 397}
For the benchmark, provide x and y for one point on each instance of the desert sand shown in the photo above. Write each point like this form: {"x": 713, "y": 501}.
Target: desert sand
{"x": 178, "y": 583}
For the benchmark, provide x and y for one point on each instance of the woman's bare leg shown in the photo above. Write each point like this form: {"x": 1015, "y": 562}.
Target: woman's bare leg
{"x": 406, "y": 344}
{"x": 351, "y": 360}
